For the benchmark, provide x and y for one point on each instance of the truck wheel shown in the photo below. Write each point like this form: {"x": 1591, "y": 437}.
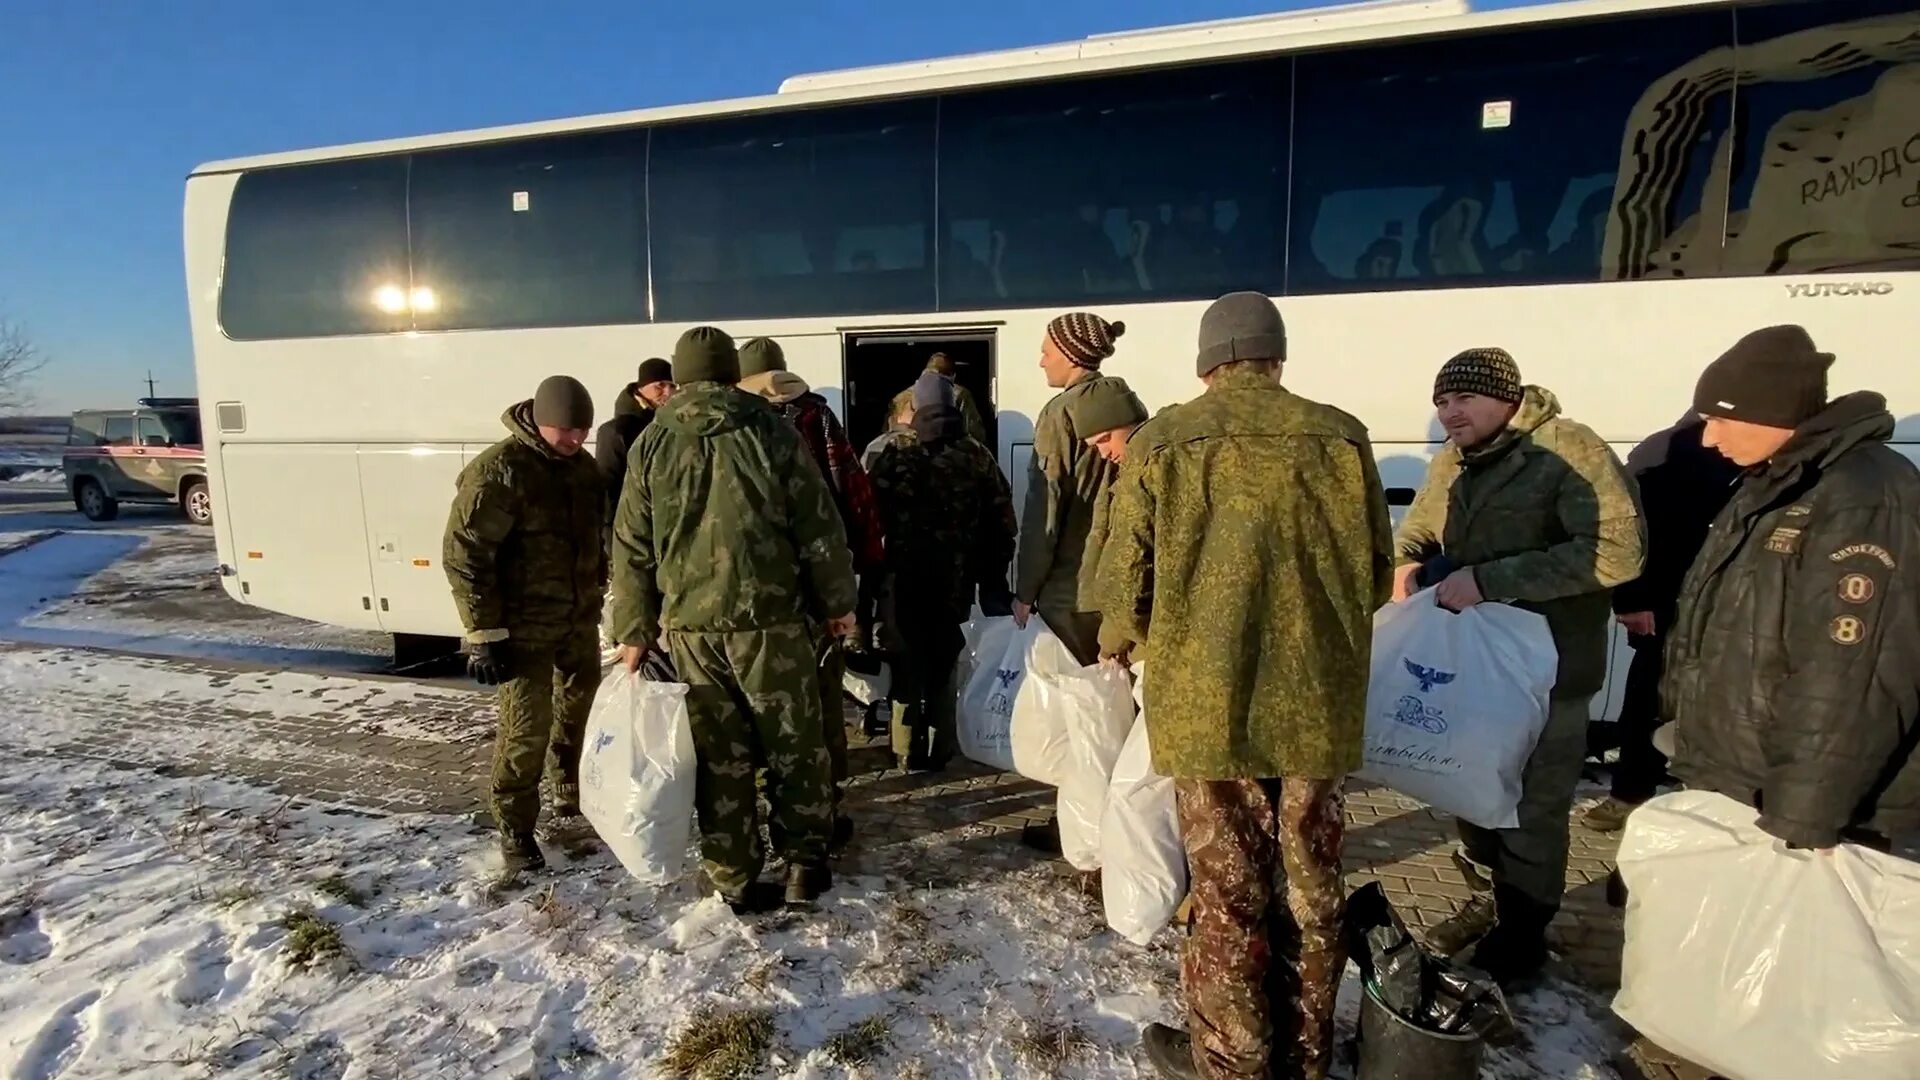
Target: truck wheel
{"x": 197, "y": 501}
{"x": 93, "y": 501}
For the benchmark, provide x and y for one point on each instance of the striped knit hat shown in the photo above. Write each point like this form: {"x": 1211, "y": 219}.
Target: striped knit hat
{"x": 1086, "y": 339}
{"x": 1487, "y": 372}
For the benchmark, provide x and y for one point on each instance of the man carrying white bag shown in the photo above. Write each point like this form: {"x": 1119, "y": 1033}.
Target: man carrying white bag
{"x": 637, "y": 775}
{"x": 1069, "y": 724}
{"x": 1143, "y": 866}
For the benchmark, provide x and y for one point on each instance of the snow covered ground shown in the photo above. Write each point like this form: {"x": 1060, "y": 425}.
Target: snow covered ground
{"x": 160, "y": 925}
{"x": 149, "y": 926}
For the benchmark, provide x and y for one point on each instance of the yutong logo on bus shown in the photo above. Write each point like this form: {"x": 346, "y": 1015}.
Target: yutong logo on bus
{"x": 1844, "y": 288}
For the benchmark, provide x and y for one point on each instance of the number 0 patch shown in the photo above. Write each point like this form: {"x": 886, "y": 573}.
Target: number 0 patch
{"x": 1847, "y": 630}
{"x": 1856, "y": 588}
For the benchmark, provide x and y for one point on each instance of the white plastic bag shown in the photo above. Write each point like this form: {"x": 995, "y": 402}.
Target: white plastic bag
{"x": 1093, "y": 708}
{"x": 1143, "y": 864}
{"x": 637, "y": 774}
{"x": 867, "y": 689}
{"x": 1761, "y": 963}
{"x": 987, "y": 677}
{"x": 1039, "y": 727}
{"x": 1456, "y": 703}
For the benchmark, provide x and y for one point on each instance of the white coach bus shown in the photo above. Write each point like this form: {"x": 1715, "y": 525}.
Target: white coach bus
{"x": 1614, "y": 190}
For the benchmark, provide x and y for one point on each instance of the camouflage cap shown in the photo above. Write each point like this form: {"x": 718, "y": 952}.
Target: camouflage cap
{"x": 1103, "y": 405}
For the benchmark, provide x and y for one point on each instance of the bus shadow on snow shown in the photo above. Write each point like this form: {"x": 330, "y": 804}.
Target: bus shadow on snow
{"x": 43, "y": 572}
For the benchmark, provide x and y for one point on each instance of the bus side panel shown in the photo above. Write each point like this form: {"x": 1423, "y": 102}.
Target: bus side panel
{"x": 300, "y": 537}
{"x": 407, "y": 491}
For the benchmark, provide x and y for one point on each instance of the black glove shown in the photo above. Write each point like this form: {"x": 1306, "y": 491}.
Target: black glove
{"x": 487, "y": 663}
{"x": 996, "y": 600}
{"x": 1433, "y": 571}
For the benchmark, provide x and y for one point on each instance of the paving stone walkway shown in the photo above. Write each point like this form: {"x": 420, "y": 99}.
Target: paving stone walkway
{"x": 391, "y": 746}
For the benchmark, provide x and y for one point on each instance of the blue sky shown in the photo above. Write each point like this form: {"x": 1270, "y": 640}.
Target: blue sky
{"x": 109, "y": 103}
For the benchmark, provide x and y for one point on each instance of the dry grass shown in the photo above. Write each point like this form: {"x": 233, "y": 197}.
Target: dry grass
{"x": 310, "y": 938}
{"x": 1048, "y": 1045}
{"x": 861, "y": 1044}
{"x": 337, "y": 887}
{"x": 721, "y": 1044}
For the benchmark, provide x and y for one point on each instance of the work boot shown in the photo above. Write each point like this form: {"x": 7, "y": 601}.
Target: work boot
{"x": 566, "y": 800}
{"x": 1516, "y": 948}
{"x": 1170, "y": 1050}
{"x": 805, "y": 884}
{"x": 1477, "y": 877}
{"x": 1609, "y": 815}
{"x": 759, "y": 898}
{"x": 1044, "y": 837}
{"x": 519, "y": 854}
{"x": 1463, "y": 928}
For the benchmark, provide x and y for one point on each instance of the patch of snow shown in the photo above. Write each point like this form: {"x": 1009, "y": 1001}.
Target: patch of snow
{"x": 38, "y": 475}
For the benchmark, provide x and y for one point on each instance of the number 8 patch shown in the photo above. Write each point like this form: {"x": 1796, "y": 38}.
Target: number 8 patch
{"x": 1847, "y": 630}
{"x": 1856, "y": 588}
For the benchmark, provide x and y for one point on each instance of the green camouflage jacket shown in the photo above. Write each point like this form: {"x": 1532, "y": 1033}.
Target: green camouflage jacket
{"x": 523, "y": 545}
{"x": 1066, "y": 481}
{"x": 948, "y": 517}
{"x": 1248, "y": 548}
{"x": 725, "y": 524}
{"x": 1548, "y": 521}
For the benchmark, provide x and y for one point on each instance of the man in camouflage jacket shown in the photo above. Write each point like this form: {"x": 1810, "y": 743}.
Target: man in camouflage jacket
{"x": 523, "y": 554}
{"x": 1524, "y": 507}
{"x": 728, "y": 541}
{"x": 1248, "y": 546}
{"x": 950, "y": 534}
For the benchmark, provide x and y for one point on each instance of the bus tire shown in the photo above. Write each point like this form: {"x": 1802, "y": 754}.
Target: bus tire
{"x": 94, "y": 502}
{"x": 197, "y": 501}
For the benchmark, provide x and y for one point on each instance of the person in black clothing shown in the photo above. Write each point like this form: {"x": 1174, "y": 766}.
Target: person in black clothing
{"x": 633, "y": 410}
{"x": 1793, "y": 673}
{"x": 1683, "y": 485}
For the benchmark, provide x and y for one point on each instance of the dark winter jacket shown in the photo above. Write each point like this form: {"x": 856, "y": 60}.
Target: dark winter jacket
{"x": 615, "y": 440}
{"x": 1683, "y": 485}
{"x": 948, "y": 513}
{"x": 827, "y": 440}
{"x": 522, "y": 549}
{"x": 1793, "y": 672}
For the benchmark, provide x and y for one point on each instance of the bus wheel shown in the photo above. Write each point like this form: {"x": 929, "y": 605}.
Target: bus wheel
{"x": 94, "y": 501}
{"x": 197, "y": 501}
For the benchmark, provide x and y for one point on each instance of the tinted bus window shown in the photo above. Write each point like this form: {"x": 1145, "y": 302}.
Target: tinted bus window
{"x": 1142, "y": 186}
{"x": 1496, "y": 160}
{"x": 804, "y": 213}
{"x": 542, "y": 232}
{"x": 314, "y": 250}
{"x": 1827, "y": 177}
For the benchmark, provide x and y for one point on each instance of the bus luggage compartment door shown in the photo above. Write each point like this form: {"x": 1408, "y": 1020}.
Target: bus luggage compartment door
{"x": 299, "y": 538}
{"x": 408, "y": 490}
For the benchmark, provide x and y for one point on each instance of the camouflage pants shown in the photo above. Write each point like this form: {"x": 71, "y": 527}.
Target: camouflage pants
{"x": 753, "y": 699}
{"x": 1532, "y": 857}
{"x": 543, "y": 716}
{"x": 924, "y": 651}
{"x": 1264, "y": 959}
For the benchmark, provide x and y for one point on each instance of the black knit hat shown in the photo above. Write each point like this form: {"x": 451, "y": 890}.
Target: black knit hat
{"x": 561, "y": 402}
{"x": 1085, "y": 338}
{"x": 1488, "y": 372}
{"x": 1240, "y": 326}
{"x": 652, "y": 371}
{"x": 761, "y": 355}
{"x": 1773, "y": 377}
{"x": 706, "y": 354}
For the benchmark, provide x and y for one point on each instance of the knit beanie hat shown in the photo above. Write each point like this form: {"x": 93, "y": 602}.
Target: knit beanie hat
{"x": 1102, "y": 405}
{"x": 1487, "y": 372}
{"x": 1773, "y": 377}
{"x": 932, "y": 389}
{"x": 1240, "y": 326}
{"x": 1086, "y": 339}
{"x": 706, "y": 354}
{"x": 652, "y": 371}
{"x": 761, "y": 355}
{"x": 561, "y": 402}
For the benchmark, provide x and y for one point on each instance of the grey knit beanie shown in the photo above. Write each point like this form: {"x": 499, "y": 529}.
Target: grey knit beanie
{"x": 561, "y": 402}
{"x": 1241, "y": 326}
{"x": 932, "y": 388}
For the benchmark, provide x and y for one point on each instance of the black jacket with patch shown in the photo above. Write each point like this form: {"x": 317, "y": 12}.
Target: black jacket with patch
{"x": 1793, "y": 671}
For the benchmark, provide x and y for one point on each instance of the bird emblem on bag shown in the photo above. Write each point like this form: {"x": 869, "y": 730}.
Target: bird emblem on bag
{"x": 1427, "y": 677}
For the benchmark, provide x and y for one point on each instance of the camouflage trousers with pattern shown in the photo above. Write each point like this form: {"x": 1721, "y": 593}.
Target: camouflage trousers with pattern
{"x": 753, "y": 698}
{"x": 543, "y": 716}
{"x": 1264, "y": 958}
